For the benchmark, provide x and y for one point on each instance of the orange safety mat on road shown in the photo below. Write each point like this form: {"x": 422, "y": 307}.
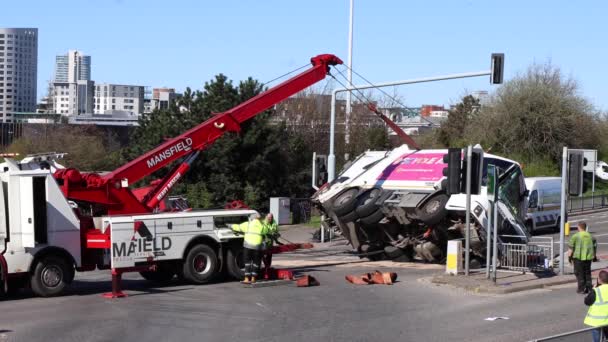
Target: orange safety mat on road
{"x": 386, "y": 278}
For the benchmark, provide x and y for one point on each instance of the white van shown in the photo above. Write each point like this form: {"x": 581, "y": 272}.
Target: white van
{"x": 543, "y": 203}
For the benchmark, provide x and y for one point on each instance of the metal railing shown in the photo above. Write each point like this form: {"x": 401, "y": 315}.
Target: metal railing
{"x": 580, "y": 204}
{"x": 301, "y": 210}
{"x": 535, "y": 256}
{"x": 575, "y": 336}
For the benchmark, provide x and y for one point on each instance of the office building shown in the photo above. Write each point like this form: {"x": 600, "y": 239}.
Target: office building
{"x": 118, "y": 98}
{"x": 18, "y": 71}
{"x": 162, "y": 97}
{"x": 72, "y": 86}
{"x": 72, "y": 67}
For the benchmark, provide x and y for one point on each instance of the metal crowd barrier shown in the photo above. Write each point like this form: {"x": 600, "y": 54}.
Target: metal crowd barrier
{"x": 583, "y": 335}
{"x": 580, "y": 204}
{"x": 301, "y": 210}
{"x": 536, "y": 256}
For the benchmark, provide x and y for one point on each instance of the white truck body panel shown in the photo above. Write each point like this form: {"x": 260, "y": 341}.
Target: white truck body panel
{"x": 166, "y": 236}
{"x": 62, "y": 225}
{"x": 26, "y": 211}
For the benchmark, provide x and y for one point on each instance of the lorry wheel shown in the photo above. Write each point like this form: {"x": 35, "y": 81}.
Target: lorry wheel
{"x": 366, "y": 205}
{"x": 234, "y": 263}
{"x": 350, "y": 217}
{"x": 345, "y": 202}
{"x": 50, "y": 277}
{"x": 201, "y": 264}
{"x": 433, "y": 210}
{"x": 393, "y": 252}
{"x": 372, "y": 219}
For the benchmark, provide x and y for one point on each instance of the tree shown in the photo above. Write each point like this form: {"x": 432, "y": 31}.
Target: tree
{"x": 236, "y": 166}
{"x": 452, "y": 131}
{"x": 534, "y": 115}
{"x": 86, "y": 146}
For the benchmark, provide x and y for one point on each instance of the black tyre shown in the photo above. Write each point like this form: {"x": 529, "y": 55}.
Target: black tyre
{"x": 345, "y": 202}
{"x": 350, "y": 217}
{"x": 164, "y": 273}
{"x": 433, "y": 210}
{"x": 557, "y": 226}
{"x": 50, "y": 277}
{"x": 366, "y": 205}
{"x": 372, "y": 219}
{"x": 405, "y": 257}
{"x": 393, "y": 252}
{"x": 530, "y": 227}
{"x": 201, "y": 265}
{"x": 234, "y": 263}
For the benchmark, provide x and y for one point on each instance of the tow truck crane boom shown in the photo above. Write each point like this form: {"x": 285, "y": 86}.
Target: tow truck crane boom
{"x": 111, "y": 191}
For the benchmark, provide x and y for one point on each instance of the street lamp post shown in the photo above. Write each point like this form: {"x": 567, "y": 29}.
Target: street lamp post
{"x": 331, "y": 159}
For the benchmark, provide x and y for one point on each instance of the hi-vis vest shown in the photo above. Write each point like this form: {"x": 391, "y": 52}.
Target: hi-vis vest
{"x": 254, "y": 233}
{"x": 598, "y": 312}
{"x": 583, "y": 246}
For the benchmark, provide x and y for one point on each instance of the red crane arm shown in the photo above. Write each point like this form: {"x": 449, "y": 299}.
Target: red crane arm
{"x": 204, "y": 134}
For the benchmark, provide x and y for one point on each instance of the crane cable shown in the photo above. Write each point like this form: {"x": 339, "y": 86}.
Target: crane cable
{"x": 380, "y": 89}
{"x": 286, "y": 74}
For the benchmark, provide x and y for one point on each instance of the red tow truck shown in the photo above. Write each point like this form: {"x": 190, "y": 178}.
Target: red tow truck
{"x": 55, "y": 221}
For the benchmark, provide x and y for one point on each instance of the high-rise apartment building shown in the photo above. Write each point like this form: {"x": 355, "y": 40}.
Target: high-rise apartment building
{"x": 18, "y": 71}
{"x": 71, "y": 67}
{"x": 113, "y": 98}
{"x": 72, "y": 85}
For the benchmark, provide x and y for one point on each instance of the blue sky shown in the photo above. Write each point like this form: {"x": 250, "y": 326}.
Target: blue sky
{"x": 183, "y": 43}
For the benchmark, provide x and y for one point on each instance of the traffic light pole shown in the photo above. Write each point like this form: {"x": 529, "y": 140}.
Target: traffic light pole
{"x": 468, "y": 213}
{"x": 492, "y": 196}
{"x": 331, "y": 158}
{"x": 563, "y": 210}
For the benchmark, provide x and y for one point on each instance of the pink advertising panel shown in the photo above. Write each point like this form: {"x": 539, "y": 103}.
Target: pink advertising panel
{"x": 415, "y": 167}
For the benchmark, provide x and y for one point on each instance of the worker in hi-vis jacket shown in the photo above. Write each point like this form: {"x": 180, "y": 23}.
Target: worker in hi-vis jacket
{"x": 272, "y": 236}
{"x": 255, "y": 232}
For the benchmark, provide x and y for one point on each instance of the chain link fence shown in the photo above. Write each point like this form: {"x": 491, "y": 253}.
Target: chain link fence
{"x": 301, "y": 210}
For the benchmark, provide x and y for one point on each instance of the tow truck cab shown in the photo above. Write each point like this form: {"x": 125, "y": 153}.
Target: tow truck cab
{"x": 42, "y": 243}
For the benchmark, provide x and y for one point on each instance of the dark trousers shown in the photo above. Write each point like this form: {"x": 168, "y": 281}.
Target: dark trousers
{"x": 252, "y": 262}
{"x": 267, "y": 258}
{"x": 582, "y": 271}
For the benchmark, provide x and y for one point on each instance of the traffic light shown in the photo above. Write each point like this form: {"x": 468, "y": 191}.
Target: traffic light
{"x": 453, "y": 171}
{"x": 476, "y": 172}
{"x": 320, "y": 170}
{"x": 575, "y": 173}
{"x": 498, "y": 67}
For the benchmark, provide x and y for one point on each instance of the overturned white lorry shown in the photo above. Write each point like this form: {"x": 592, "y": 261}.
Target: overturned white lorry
{"x": 392, "y": 205}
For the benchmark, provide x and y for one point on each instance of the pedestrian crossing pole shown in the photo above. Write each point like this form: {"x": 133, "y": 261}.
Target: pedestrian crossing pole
{"x": 562, "y": 224}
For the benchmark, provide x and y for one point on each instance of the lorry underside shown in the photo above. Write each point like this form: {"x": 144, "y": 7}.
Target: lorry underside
{"x": 404, "y": 221}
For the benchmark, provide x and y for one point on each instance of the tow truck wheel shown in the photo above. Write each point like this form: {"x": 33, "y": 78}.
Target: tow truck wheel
{"x": 50, "y": 276}
{"x": 201, "y": 264}
{"x": 234, "y": 263}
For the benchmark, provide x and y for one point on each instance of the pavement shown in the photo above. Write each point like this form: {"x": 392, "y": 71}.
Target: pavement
{"x": 338, "y": 253}
{"x": 413, "y": 309}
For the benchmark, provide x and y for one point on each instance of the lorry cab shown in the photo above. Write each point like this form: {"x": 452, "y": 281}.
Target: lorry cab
{"x": 543, "y": 203}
